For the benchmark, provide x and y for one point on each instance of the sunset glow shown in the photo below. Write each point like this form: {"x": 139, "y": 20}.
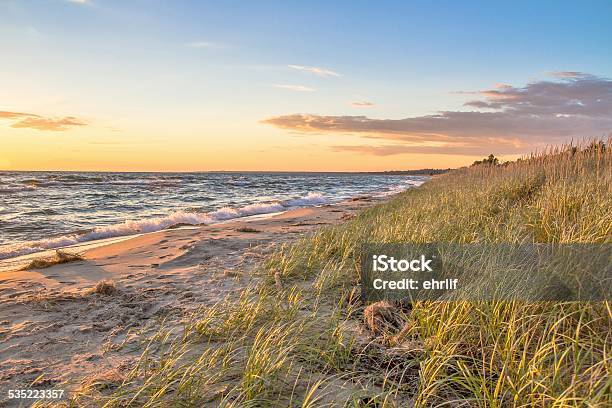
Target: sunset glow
{"x": 204, "y": 86}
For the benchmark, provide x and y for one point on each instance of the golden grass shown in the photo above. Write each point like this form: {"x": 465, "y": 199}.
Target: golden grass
{"x": 304, "y": 342}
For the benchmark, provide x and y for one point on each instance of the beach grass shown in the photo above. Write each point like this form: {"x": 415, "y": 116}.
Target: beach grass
{"x": 298, "y": 337}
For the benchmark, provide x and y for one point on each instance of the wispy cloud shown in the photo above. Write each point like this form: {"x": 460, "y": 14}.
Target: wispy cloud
{"x": 322, "y": 72}
{"x": 296, "y": 88}
{"x": 506, "y": 119}
{"x": 395, "y": 149}
{"x": 12, "y": 115}
{"x": 204, "y": 44}
{"x": 33, "y": 121}
{"x": 82, "y": 2}
{"x": 362, "y": 104}
{"x": 568, "y": 74}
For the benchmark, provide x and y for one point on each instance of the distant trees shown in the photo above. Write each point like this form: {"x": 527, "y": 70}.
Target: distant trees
{"x": 419, "y": 172}
{"x": 490, "y": 161}
{"x": 595, "y": 145}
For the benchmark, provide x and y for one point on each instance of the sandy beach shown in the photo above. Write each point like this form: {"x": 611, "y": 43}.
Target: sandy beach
{"x": 57, "y": 331}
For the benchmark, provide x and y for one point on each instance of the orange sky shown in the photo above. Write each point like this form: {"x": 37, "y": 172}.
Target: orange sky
{"x": 86, "y": 149}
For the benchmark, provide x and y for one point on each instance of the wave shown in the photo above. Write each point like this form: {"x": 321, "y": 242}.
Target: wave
{"x": 12, "y": 189}
{"x": 134, "y": 227}
{"x": 78, "y": 178}
{"x": 309, "y": 199}
{"x": 405, "y": 185}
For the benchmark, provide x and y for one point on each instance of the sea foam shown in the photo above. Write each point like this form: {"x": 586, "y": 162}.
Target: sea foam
{"x": 133, "y": 227}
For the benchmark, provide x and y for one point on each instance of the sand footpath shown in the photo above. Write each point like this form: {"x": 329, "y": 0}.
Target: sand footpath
{"x": 56, "y": 331}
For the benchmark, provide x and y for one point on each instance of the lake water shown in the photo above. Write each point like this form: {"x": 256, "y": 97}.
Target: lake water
{"x": 45, "y": 210}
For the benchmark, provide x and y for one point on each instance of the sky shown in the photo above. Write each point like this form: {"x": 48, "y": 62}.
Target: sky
{"x": 297, "y": 86}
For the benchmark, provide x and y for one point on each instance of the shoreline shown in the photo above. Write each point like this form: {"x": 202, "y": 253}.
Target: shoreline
{"x": 55, "y": 325}
{"x": 17, "y": 262}
{"x": 83, "y": 243}
{"x": 17, "y": 250}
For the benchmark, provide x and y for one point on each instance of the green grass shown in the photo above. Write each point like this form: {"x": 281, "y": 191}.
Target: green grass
{"x": 297, "y": 337}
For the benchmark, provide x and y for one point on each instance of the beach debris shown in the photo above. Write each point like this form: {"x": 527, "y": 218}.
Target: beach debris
{"x": 383, "y": 317}
{"x": 361, "y": 198}
{"x": 105, "y": 287}
{"x": 247, "y": 229}
{"x": 347, "y": 216}
{"x": 59, "y": 257}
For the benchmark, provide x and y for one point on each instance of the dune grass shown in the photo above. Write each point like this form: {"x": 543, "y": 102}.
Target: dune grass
{"x": 298, "y": 337}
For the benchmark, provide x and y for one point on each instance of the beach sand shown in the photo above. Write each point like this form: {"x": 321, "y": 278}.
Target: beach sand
{"x": 57, "y": 332}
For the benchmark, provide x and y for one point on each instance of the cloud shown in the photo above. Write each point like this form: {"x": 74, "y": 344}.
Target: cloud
{"x": 568, "y": 74}
{"x": 81, "y": 2}
{"x": 203, "y": 44}
{"x": 362, "y": 104}
{"x": 506, "y": 119}
{"x": 297, "y": 88}
{"x": 322, "y": 72}
{"x": 395, "y": 149}
{"x": 48, "y": 124}
{"x": 33, "y": 121}
{"x": 13, "y": 115}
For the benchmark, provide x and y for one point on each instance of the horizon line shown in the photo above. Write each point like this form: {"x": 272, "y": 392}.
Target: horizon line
{"x": 224, "y": 171}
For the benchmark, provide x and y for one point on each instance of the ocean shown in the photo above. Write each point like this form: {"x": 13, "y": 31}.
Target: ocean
{"x": 46, "y": 210}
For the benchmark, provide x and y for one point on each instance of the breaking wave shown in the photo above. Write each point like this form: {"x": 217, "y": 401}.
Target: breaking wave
{"x": 159, "y": 223}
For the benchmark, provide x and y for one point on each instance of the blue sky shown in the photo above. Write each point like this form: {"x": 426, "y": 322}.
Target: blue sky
{"x": 160, "y": 67}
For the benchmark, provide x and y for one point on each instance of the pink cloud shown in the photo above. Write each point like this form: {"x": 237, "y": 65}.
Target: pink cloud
{"x": 513, "y": 119}
{"x": 33, "y": 121}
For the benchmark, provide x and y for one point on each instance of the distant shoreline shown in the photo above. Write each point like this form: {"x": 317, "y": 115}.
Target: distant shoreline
{"x": 417, "y": 172}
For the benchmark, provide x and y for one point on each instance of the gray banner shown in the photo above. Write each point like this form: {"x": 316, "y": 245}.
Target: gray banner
{"x": 530, "y": 272}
